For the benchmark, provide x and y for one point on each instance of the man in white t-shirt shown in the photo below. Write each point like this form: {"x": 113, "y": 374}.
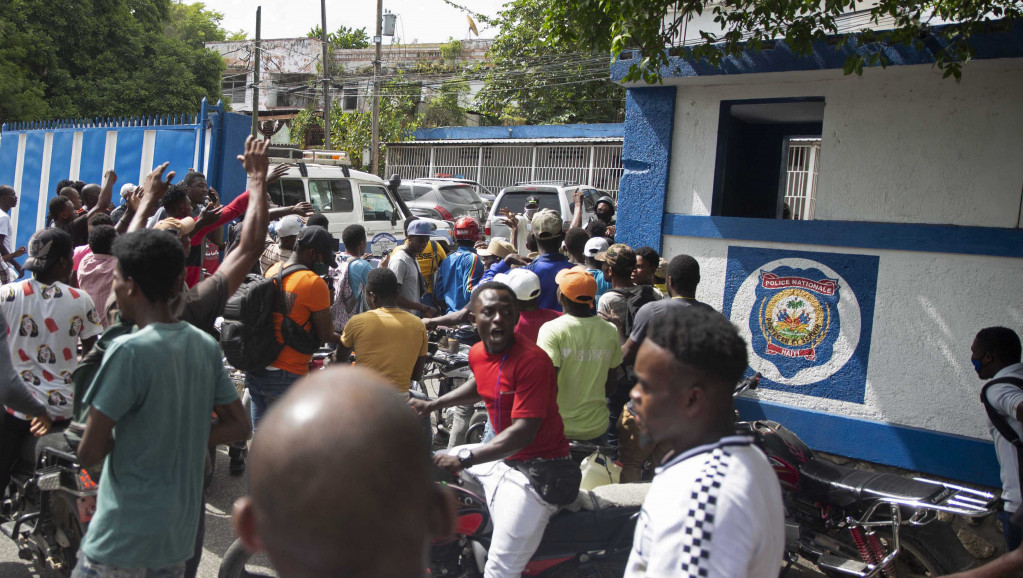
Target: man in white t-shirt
{"x": 714, "y": 509}
{"x": 9, "y": 268}
{"x": 403, "y": 262}
{"x": 47, "y": 319}
{"x": 995, "y": 354}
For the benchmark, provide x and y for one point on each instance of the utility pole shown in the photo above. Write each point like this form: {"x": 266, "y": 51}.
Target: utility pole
{"x": 326, "y": 78}
{"x": 376, "y": 88}
{"x": 255, "y": 79}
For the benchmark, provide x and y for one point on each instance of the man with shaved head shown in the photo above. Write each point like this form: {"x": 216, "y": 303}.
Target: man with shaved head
{"x": 335, "y": 485}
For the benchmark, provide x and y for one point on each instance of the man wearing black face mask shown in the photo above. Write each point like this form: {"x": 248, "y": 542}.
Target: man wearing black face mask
{"x": 996, "y": 357}
{"x": 603, "y": 211}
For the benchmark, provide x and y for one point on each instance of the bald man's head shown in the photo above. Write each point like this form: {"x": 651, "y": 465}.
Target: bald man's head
{"x": 339, "y": 480}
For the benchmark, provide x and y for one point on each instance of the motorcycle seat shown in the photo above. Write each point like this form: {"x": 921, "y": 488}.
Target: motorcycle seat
{"x": 845, "y": 487}
{"x": 587, "y": 530}
{"x": 610, "y": 496}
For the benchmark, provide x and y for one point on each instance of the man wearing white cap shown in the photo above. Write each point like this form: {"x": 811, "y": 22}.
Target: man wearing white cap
{"x": 526, "y": 286}
{"x": 279, "y": 252}
{"x": 594, "y": 247}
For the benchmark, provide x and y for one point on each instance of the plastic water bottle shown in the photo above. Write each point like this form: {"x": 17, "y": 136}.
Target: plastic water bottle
{"x": 599, "y": 470}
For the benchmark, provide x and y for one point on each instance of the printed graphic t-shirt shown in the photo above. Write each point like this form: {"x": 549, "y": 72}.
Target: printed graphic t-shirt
{"x": 305, "y": 294}
{"x": 583, "y": 349}
{"x": 46, "y": 323}
{"x": 520, "y": 383}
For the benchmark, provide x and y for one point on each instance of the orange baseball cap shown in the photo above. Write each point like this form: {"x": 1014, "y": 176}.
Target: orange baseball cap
{"x": 577, "y": 284}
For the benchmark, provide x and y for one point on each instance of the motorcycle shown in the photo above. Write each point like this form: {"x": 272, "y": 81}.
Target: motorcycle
{"x": 47, "y": 508}
{"x": 591, "y": 537}
{"x": 448, "y": 368}
{"x": 852, "y": 522}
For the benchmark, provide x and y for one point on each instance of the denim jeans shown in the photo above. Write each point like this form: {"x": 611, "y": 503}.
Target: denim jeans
{"x": 87, "y": 568}
{"x": 1013, "y": 534}
{"x": 265, "y": 387}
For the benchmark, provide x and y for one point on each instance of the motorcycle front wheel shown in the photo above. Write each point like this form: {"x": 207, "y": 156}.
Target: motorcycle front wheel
{"x": 929, "y": 550}
{"x": 238, "y": 563}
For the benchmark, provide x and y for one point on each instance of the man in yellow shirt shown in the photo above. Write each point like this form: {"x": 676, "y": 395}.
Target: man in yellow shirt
{"x": 387, "y": 338}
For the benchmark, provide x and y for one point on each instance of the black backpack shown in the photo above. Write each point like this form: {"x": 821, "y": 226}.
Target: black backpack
{"x": 247, "y": 333}
{"x": 633, "y": 302}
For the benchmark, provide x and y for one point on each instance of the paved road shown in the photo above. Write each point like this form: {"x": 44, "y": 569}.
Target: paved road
{"x": 219, "y": 536}
{"x": 223, "y": 492}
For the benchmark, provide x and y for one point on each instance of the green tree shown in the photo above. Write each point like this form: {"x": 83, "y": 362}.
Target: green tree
{"x": 99, "y": 58}
{"x": 195, "y": 25}
{"x": 343, "y": 38}
{"x": 352, "y": 131}
{"x": 655, "y": 26}
{"x": 445, "y": 108}
{"x": 533, "y": 78}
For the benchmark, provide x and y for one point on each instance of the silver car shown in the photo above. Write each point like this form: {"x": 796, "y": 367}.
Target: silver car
{"x": 443, "y": 201}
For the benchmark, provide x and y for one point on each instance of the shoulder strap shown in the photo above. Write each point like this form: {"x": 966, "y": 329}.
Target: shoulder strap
{"x": 997, "y": 419}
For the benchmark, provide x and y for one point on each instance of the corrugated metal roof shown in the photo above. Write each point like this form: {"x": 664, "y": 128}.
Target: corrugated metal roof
{"x": 512, "y": 141}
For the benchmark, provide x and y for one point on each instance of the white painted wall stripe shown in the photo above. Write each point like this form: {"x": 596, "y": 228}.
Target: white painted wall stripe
{"x": 110, "y": 151}
{"x": 76, "y": 156}
{"x": 44, "y": 182}
{"x": 148, "y": 148}
{"x": 19, "y": 167}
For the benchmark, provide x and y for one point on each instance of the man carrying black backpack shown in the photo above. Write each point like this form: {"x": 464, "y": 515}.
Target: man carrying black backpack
{"x": 996, "y": 357}
{"x": 305, "y": 300}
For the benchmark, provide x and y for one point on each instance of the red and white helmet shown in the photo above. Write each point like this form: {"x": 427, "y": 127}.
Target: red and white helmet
{"x": 467, "y": 229}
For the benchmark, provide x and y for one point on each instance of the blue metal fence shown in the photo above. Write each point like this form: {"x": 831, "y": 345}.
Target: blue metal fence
{"x": 35, "y": 156}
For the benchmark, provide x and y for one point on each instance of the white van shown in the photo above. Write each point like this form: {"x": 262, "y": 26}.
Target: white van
{"x": 346, "y": 197}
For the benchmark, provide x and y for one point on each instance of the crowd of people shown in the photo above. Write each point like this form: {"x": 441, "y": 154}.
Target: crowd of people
{"x": 580, "y": 338}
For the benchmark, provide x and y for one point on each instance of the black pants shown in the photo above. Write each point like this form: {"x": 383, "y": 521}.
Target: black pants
{"x": 16, "y": 441}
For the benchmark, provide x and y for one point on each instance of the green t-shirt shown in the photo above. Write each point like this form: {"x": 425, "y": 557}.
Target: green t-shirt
{"x": 159, "y": 385}
{"x": 583, "y": 349}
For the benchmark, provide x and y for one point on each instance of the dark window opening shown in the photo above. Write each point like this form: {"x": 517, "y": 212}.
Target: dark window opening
{"x": 754, "y": 165}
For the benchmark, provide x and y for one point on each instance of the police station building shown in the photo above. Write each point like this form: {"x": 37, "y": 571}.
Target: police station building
{"x": 904, "y": 191}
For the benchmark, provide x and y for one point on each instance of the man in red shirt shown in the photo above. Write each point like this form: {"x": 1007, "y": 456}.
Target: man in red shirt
{"x": 517, "y": 382}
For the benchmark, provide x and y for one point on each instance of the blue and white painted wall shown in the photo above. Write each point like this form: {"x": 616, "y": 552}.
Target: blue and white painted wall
{"x": 916, "y": 242}
{"x": 34, "y": 157}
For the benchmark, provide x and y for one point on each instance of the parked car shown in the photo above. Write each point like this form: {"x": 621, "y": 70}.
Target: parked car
{"x": 556, "y": 195}
{"x": 442, "y": 200}
{"x": 482, "y": 191}
{"x": 346, "y": 197}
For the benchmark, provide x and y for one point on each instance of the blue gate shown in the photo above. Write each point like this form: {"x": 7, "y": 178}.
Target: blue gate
{"x": 35, "y": 156}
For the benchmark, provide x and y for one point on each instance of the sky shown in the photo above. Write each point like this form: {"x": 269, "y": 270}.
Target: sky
{"x": 418, "y": 20}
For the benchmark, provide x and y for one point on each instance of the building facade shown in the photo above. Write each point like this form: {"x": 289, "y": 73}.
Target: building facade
{"x": 904, "y": 192}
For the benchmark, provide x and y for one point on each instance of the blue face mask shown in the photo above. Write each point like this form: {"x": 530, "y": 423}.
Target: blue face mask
{"x": 976, "y": 365}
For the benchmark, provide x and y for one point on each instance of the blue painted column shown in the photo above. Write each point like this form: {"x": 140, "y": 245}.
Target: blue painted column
{"x": 646, "y": 156}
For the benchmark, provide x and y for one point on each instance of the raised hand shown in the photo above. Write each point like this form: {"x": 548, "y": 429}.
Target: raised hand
{"x": 255, "y": 160}
{"x": 214, "y": 197}
{"x": 19, "y": 252}
{"x": 278, "y": 172}
{"x": 155, "y": 186}
{"x": 303, "y": 209}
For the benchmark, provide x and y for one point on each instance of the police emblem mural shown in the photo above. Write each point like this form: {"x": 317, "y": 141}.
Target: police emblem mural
{"x": 807, "y": 317}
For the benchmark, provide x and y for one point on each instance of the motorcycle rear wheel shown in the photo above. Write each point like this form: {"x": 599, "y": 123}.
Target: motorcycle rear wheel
{"x": 929, "y": 550}
{"x": 64, "y": 510}
{"x": 233, "y": 564}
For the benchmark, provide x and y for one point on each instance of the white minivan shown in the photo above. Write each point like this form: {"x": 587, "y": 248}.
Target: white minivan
{"x": 346, "y": 197}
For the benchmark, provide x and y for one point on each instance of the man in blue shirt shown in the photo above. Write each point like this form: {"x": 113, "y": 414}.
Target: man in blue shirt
{"x": 460, "y": 271}
{"x": 547, "y": 230}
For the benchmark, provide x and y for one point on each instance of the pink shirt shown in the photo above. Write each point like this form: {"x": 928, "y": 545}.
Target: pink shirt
{"x": 96, "y": 277}
{"x": 80, "y": 252}
{"x": 530, "y": 322}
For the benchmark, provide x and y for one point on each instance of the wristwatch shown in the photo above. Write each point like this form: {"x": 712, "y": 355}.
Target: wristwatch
{"x": 465, "y": 456}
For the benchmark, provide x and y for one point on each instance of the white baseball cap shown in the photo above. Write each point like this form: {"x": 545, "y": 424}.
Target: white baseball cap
{"x": 523, "y": 282}
{"x": 289, "y": 226}
{"x": 595, "y": 246}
